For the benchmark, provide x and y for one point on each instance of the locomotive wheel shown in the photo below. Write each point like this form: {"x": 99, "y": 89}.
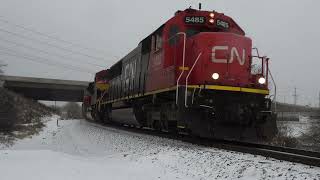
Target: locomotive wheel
{"x": 84, "y": 111}
{"x": 140, "y": 115}
{"x": 267, "y": 129}
{"x": 164, "y": 121}
{"x": 156, "y": 125}
{"x": 98, "y": 116}
{"x": 94, "y": 114}
{"x": 105, "y": 114}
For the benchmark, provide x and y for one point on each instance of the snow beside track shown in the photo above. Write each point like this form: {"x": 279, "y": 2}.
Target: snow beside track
{"x": 81, "y": 150}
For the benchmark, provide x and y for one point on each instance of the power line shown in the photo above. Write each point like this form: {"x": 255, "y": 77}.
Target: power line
{"x": 51, "y": 64}
{"x": 43, "y": 60}
{"x": 52, "y": 45}
{"x": 48, "y": 36}
{"x": 45, "y": 52}
{"x": 28, "y": 73}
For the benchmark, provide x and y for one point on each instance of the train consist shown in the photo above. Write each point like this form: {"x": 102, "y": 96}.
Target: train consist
{"x": 195, "y": 74}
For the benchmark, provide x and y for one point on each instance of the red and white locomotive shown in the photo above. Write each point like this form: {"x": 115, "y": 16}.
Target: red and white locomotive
{"x": 196, "y": 73}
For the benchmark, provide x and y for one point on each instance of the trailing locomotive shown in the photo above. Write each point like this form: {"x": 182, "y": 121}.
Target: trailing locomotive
{"x": 195, "y": 73}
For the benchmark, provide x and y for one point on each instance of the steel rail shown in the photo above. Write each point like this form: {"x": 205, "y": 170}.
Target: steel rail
{"x": 281, "y": 153}
{"x": 311, "y": 158}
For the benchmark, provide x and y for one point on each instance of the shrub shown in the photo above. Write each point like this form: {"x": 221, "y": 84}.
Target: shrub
{"x": 72, "y": 110}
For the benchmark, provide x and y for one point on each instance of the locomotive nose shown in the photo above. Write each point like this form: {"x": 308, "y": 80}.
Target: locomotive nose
{"x": 224, "y": 59}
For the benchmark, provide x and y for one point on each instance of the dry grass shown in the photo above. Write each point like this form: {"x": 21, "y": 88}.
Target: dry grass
{"x": 20, "y": 117}
{"x": 311, "y": 140}
{"x": 284, "y": 139}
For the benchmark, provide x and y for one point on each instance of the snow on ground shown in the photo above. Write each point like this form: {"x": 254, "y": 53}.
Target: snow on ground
{"x": 298, "y": 128}
{"x": 77, "y": 149}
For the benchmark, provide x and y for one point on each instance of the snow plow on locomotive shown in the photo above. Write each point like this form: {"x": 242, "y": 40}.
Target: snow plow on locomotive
{"x": 196, "y": 73}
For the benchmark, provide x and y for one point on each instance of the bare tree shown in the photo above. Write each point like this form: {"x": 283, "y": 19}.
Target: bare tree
{"x": 72, "y": 110}
{"x": 1, "y": 68}
{"x": 1, "y": 72}
{"x": 312, "y": 138}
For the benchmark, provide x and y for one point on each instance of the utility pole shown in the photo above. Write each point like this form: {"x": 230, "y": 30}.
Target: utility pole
{"x": 319, "y": 99}
{"x": 295, "y": 96}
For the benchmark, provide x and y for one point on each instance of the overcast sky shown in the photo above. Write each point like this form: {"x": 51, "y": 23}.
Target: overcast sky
{"x": 287, "y": 31}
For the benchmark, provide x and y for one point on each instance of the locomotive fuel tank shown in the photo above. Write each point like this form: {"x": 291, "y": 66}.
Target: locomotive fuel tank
{"x": 124, "y": 116}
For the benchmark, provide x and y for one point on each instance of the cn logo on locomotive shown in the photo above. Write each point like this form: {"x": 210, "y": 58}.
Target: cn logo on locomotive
{"x": 234, "y": 53}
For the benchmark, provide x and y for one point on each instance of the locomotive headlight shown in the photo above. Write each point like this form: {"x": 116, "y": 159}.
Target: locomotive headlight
{"x": 262, "y": 80}
{"x": 215, "y": 76}
{"x": 211, "y": 15}
{"x": 211, "y": 21}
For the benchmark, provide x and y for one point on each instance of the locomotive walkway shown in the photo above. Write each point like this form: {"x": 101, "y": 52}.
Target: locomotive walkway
{"x": 45, "y": 89}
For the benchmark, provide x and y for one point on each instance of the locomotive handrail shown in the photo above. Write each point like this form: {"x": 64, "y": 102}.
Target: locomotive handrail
{"x": 254, "y": 48}
{"x": 183, "y": 61}
{"x": 267, "y": 77}
{"x": 186, "y": 90}
{"x": 275, "y": 91}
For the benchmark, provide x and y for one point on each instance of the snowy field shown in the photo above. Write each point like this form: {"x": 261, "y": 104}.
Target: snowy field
{"x": 298, "y": 128}
{"x": 81, "y": 150}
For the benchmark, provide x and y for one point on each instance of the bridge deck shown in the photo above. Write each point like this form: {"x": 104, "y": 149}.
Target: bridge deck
{"x": 45, "y": 89}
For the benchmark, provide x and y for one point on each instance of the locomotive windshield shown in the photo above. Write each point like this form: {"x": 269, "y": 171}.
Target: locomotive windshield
{"x": 193, "y": 31}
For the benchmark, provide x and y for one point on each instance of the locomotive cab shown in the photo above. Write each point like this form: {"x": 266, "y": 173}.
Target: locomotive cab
{"x": 102, "y": 80}
{"x": 225, "y": 50}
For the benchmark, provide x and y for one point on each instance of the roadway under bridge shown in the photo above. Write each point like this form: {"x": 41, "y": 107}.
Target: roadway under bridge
{"x": 45, "y": 89}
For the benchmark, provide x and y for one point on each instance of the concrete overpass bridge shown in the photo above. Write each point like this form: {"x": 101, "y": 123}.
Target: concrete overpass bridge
{"x": 45, "y": 89}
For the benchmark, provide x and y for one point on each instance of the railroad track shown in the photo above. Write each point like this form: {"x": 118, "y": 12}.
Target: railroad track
{"x": 277, "y": 152}
{"x": 281, "y": 153}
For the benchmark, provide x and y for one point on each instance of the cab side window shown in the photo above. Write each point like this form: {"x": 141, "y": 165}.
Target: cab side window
{"x": 192, "y": 32}
{"x": 157, "y": 39}
{"x": 158, "y": 42}
{"x": 173, "y": 37}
